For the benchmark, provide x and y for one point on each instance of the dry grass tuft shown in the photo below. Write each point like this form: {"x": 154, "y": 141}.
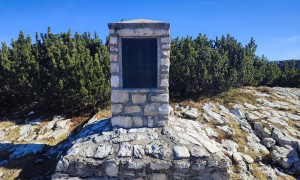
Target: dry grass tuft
{"x": 10, "y": 174}
{"x": 105, "y": 113}
{"x": 264, "y": 89}
{"x": 234, "y": 96}
{"x": 257, "y": 173}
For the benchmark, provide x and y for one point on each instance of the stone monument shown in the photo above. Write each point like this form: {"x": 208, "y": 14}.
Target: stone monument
{"x": 148, "y": 143}
{"x": 139, "y": 61}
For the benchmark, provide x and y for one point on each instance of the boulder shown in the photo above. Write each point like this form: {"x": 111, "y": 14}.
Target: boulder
{"x": 230, "y": 146}
{"x": 268, "y": 142}
{"x": 192, "y": 113}
{"x": 284, "y": 156}
{"x": 237, "y": 157}
{"x": 181, "y": 152}
{"x": 240, "y": 114}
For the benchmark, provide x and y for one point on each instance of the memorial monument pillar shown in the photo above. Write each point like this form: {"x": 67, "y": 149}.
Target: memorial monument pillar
{"x": 139, "y": 61}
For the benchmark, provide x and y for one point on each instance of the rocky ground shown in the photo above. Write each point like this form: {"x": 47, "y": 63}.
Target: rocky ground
{"x": 247, "y": 133}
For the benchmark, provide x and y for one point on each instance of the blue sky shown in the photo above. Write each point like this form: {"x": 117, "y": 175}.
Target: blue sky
{"x": 274, "y": 24}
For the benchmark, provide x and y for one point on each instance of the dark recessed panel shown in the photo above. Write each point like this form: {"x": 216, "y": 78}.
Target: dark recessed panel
{"x": 139, "y": 62}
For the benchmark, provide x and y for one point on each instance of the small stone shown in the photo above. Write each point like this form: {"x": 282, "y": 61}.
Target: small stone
{"x": 199, "y": 152}
{"x": 113, "y": 57}
{"x": 120, "y": 131}
{"x": 181, "y": 152}
{"x": 129, "y": 173}
{"x": 230, "y": 146}
{"x": 210, "y": 132}
{"x": 158, "y": 149}
{"x": 165, "y": 53}
{"x": 165, "y": 61}
{"x": 164, "y": 109}
{"x": 268, "y": 142}
{"x": 116, "y": 108}
{"x": 136, "y": 164}
{"x": 150, "y": 122}
{"x": 114, "y": 67}
{"x": 125, "y": 150}
{"x": 169, "y": 133}
{"x": 196, "y": 166}
{"x": 164, "y": 82}
{"x": 138, "y": 151}
{"x": 160, "y": 165}
{"x": 62, "y": 165}
{"x": 124, "y": 138}
{"x": 156, "y": 176}
{"x": 181, "y": 165}
{"x": 162, "y": 123}
{"x": 160, "y": 98}
{"x": 165, "y": 46}
{"x": 238, "y": 113}
{"x": 248, "y": 159}
{"x": 112, "y": 168}
{"x": 112, "y": 40}
{"x": 165, "y": 71}
{"x": 87, "y": 152}
{"x": 193, "y": 113}
{"x": 114, "y": 81}
{"x": 137, "y": 122}
{"x": 138, "y": 98}
{"x": 165, "y": 40}
{"x": 151, "y": 109}
{"x": 132, "y": 109}
{"x": 103, "y": 151}
{"x": 121, "y": 121}
{"x": 119, "y": 96}
{"x": 237, "y": 157}
{"x": 113, "y": 49}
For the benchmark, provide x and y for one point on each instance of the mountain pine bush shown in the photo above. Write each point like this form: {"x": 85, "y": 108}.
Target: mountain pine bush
{"x": 66, "y": 73}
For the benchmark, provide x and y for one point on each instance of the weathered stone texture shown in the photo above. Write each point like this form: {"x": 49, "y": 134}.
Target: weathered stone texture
{"x": 114, "y": 67}
{"x": 113, "y": 57}
{"x": 138, "y": 98}
{"x": 121, "y": 121}
{"x": 114, "y": 81}
{"x": 119, "y": 96}
{"x": 116, "y": 108}
{"x": 143, "y": 103}
{"x": 132, "y": 109}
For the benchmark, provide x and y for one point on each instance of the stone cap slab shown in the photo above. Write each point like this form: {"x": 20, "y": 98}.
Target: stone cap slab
{"x": 139, "y": 23}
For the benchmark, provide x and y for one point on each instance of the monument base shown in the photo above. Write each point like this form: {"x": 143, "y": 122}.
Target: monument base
{"x": 179, "y": 150}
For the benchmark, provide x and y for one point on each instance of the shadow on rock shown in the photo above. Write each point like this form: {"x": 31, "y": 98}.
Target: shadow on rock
{"x": 38, "y": 161}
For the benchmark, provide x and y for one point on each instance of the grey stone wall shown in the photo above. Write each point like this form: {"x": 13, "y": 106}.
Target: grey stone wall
{"x": 139, "y": 107}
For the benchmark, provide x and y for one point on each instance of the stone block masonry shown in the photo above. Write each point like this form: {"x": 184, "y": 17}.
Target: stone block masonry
{"x": 179, "y": 150}
{"x": 139, "y": 107}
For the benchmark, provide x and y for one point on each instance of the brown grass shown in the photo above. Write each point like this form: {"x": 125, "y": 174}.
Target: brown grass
{"x": 264, "y": 89}
{"x": 13, "y": 134}
{"x": 6, "y": 124}
{"x": 234, "y": 96}
{"x": 10, "y": 174}
{"x": 105, "y": 113}
{"x": 257, "y": 173}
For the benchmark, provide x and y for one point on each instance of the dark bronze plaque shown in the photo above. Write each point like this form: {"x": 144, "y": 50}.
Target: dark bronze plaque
{"x": 139, "y": 62}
